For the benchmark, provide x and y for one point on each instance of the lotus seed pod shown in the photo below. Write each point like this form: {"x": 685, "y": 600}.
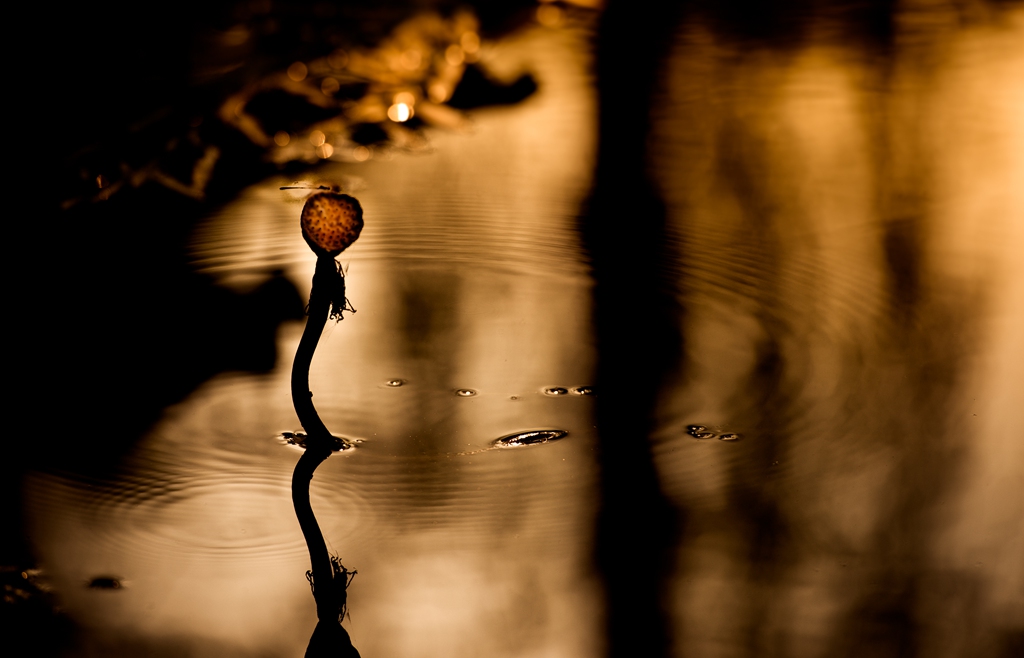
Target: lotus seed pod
{"x": 332, "y": 221}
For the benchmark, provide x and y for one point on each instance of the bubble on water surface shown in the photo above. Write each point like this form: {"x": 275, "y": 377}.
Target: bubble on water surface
{"x": 465, "y": 392}
{"x": 702, "y": 435}
{"x": 729, "y": 437}
{"x": 533, "y": 437}
{"x": 395, "y": 383}
{"x": 695, "y": 429}
{"x": 583, "y": 390}
{"x": 339, "y": 443}
{"x": 555, "y": 391}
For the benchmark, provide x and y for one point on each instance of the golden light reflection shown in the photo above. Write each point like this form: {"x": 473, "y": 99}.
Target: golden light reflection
{"x": 324, "y": 151}
{"x": 406, "y": 98}
{"x": 297, "y": 71}
{"x": 411, "y": 60}
{"x": 400, "y": 112}
{"x": 281, "y": 138}
{"x": 549, "y": 16}
{"x": 454, "y": 55}
{"x": 330, "y": 86}
{"x": 438, "y": 92}
{"x": 361, "y": 154}
{"x": 470, "y": 42}
{"x": 317, "y": 137}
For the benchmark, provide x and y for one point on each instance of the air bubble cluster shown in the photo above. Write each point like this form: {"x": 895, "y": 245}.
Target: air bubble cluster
{"x": 701, "y": 432}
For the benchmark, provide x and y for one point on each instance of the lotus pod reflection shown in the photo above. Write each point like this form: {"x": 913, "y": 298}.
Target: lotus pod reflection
{"x": 331, "y": 221}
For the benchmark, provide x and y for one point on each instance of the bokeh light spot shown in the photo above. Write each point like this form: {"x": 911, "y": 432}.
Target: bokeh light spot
{"x": 454, "y": 55}
{"x": 438, "y": 92}
{"x": 329, "y": 86}
{"x": 400, "y": 112}
{"x": 470, "y": 42}
{"x": 297, "y": 71}
{"x": 411, "y": 60}
{"x": 338, "y": 59}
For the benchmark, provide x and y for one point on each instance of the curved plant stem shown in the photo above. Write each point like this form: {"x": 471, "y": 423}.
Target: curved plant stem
{"x": 318, "y": 439}
{"x": 319, "y": 308}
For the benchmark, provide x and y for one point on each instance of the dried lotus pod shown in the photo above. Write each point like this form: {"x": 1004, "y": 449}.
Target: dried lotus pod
{"x": 331, "y": 222}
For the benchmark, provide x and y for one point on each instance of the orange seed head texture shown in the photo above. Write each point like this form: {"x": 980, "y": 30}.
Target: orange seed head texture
{"x": 332, "y": 221}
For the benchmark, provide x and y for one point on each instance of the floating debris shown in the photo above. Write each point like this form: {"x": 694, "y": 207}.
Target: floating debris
{"x": 729, "y": 437}
{"x": 534, "y": 437}
{"x": 583, "y": 390}
{"x": 555, "y": 391}
{"x": 106, "y": 582}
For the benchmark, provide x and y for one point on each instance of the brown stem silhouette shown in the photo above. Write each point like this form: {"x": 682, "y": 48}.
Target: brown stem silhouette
{"x": 329, "y": 638}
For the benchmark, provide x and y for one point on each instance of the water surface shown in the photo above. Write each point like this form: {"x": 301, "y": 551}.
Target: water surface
{"x": 841, "y": 433}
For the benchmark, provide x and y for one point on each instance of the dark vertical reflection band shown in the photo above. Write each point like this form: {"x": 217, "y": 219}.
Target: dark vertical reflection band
{"x": 638, "y": 338}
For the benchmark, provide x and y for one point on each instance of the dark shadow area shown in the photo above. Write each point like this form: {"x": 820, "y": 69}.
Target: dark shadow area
{"x": 30, "y": 620}
{"x": 638, "y": 336}
{"x": 140, "y": 330}
{"x": 477, "y": 89}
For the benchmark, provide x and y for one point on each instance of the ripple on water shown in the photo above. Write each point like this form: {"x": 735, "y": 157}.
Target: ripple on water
{"x": 531, "y": 438}
{"x": 205, "y": 516}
